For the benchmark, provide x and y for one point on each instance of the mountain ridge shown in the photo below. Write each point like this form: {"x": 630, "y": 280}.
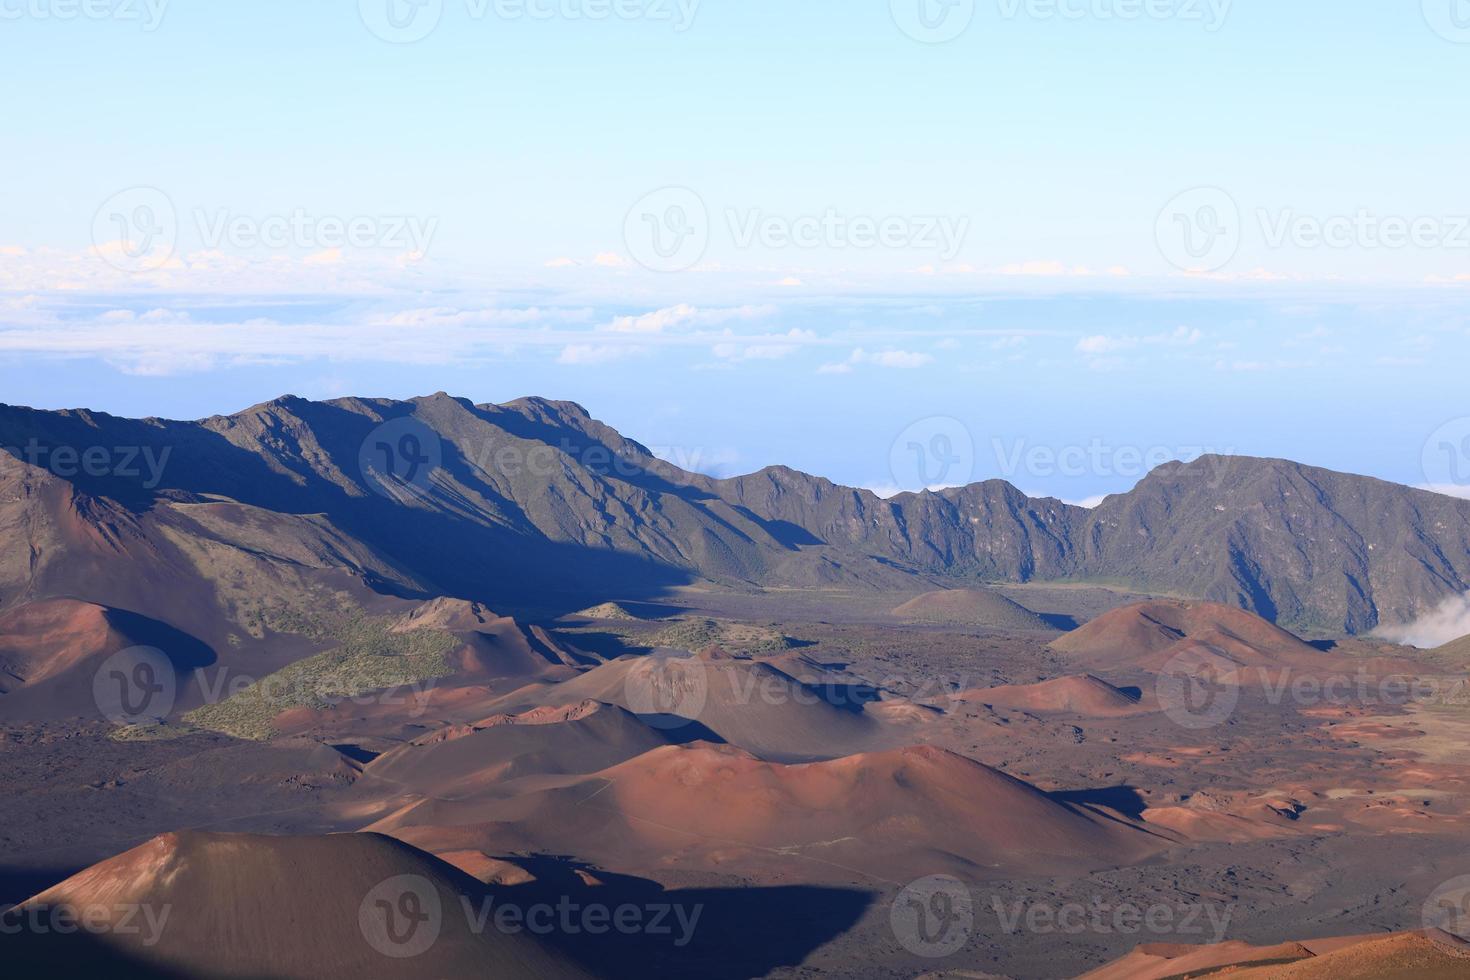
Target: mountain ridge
{"x": 536, "y": 497}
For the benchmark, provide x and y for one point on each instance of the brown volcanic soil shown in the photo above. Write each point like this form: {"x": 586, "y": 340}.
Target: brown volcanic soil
{"x": 1085, "y": 696}
{"x": 1456, "y": 651}
{"x": 279, "y": 907}
{"x": 41, "y": 640}
{"x": 51, "y": 650}
{"x": 1384, "y": 824}
{"x": 1160, "y": 961}
{"x": 1150, "y": 633}
{"x": 970, "y": 607}
{"x": 890, "y": 816}
{"x": 1403, "y": 956}
{"x": 460, "y": 760}
{"x": 746, "y": 703}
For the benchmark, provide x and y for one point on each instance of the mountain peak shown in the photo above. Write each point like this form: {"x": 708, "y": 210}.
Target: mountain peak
{"x": 503, "y": 518}
{"x": 549, "y": 407}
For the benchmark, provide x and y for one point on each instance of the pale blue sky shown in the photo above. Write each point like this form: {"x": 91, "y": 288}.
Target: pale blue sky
{"x": 1038, "y": 175}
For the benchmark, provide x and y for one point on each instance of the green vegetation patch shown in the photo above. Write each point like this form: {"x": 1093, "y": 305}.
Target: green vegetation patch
{"x": 696, "y": 634}
{"x": 370, "y": 658}
{"x": 610, "y": 612}
{"x": 151, "y": 733}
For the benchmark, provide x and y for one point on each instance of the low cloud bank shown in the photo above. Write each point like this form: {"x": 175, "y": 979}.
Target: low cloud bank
{"x": 1447, "y": 623}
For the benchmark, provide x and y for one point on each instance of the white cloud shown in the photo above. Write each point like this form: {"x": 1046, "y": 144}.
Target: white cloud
{"x": 446, "y": 316}
{"x": 685, "y": 315}
{"x": 594, "y": 353}
{"x": 610, "y": 260}
{"x": 656, "y": 322}
{"x": 1100, "y": 344}
{"x": 151, "y": 316}
{"x": 162, "y": 363}
{"x": 1447, "y": 623}
{"x": 899, "y": 359}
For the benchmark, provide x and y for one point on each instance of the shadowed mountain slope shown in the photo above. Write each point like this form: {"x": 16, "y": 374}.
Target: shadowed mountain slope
{"x": 235, "y": 905}
{"x": 537, "y": 505}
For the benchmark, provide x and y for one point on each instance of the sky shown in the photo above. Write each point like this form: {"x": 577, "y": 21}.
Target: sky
{"x": 898, "y": 243}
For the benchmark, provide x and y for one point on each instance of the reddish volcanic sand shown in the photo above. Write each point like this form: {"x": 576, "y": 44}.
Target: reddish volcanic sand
{"x": 893, "y": 814}
{"x": 1086, "y": 696}
{"x": 462, "y": 760}
{"x": 282, "y": 907}
{"x": 1149, "y": 634}
{"x": 44, "y": 639}
{"x": 747, "y": 703}
{"x": 1431, "y": 955}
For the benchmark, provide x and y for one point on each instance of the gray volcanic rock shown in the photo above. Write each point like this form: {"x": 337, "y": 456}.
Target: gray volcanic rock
{"x": 535, "y": 503}
{"x": 1299, "y": 545}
